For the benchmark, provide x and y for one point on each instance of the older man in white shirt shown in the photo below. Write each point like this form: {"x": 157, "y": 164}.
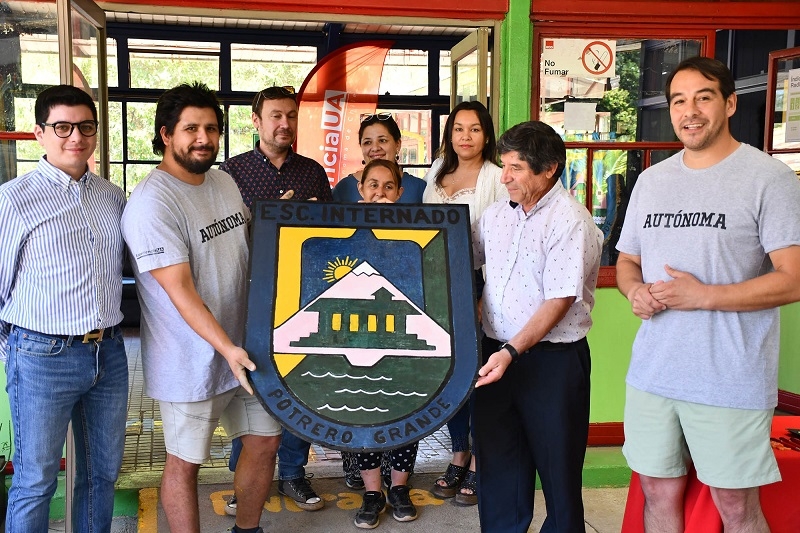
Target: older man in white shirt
{"x": 541, "y": 250}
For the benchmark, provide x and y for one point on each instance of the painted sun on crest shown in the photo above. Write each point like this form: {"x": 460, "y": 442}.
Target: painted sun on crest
{"x": 338, "y": 268}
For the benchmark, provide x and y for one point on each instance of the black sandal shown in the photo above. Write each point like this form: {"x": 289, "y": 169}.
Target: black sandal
{"x": 470, "y": 482}
{"x": 452, "y": 478}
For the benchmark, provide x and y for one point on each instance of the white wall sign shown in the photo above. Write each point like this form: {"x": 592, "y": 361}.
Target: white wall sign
{"x": 793, "y": 106}
{"x": 584, "y": 58}
{"x": 579, "y": 116}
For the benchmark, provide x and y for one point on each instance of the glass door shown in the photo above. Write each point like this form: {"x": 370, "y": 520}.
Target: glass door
{"x": 782, "y": 128}
{"x": 84, "y": 65}
{"x": 469, "y": 69}
{"x": 47, "y": 43}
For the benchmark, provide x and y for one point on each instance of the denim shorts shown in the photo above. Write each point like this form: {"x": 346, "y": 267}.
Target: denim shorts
{"x": 189, "y": 426}
{"x": 730, "y": 448}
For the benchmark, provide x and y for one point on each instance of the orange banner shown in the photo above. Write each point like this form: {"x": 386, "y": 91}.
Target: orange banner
{"x": 335, "y": 95}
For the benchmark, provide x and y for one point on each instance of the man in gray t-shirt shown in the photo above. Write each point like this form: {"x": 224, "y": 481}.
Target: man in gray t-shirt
{"x": 710, "y": 249}
{"x": 186, "y": 227}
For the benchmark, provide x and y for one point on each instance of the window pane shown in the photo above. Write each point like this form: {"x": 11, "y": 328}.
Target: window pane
{"x": 444, "y": 73}
{"x": 141, "y": 128}
{"x": 111, "y": 62}
{"x": 115, "y": 131}
{"x": 17, "y": 158}
{"x": 792, "y": 160}
{"x": 657, "y": 156}
{"x": 787, "y": 105}
{"x": 221, "y": 153}
{"x": 40, "y": 64}
{"x": 86, "y": 68}
{"x": 405, "y": 72}
{"x": 165, "y": 64}
{"x": 660, "y": 58}
{"x": 614, "y": 173}
{"x": 467, "y": 78}
{"x": 242, "y": 134}
{"x": 415, "y": 126}
{"x": 418, "y": 172}
{"x": 24, "y": 117}
{"x": 416, "y": 142}
{"x": 135, "y": 174}
{"x": 574, "y": 176}
{"x": 606, "y": 166}
{"x": 28, "y": 151}
{"x": 115, "y": 177}
{"x": 255, "y": 66}
{"x": 583, "y": 101}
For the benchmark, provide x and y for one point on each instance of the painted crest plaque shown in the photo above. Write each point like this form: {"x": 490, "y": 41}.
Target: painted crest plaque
{"x": 361, "y": 319}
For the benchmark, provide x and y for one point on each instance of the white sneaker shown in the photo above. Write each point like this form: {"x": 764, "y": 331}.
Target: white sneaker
{"x": 230, "y": 506}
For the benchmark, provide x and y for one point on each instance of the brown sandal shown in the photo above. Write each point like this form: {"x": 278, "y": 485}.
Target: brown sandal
{"x": 470, "y": 483}
{"x": 452, "y": 478}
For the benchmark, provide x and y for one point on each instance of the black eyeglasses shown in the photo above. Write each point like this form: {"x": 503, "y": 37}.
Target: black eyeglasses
{"x": 88, "y": 128}
{"x": 380, "y": 116}
{"x": 273, "y": 93}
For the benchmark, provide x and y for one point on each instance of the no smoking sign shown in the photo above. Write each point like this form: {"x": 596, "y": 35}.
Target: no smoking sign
{"x": 597, "y": 57}
{"x": 582, "y": 58}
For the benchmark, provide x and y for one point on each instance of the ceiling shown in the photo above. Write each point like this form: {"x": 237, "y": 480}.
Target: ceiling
{"x": 285, "y": 25}
{"x": 27, "y": 16}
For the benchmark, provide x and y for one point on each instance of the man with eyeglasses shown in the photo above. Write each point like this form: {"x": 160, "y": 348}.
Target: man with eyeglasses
{"x": 61, "y": 254}
{"x": 273, "y": 170}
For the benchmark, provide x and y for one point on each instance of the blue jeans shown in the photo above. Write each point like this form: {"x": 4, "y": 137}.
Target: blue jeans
{"x": 292, "y": 455}
{"x": 50, "y": 381}
{"x": 460, "y": 428}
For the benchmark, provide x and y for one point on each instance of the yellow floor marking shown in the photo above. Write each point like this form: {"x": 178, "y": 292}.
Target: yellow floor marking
{"x": 148, "y": 510}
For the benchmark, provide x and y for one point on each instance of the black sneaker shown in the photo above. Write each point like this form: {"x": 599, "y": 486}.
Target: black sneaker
{"x": 400, "y": 500}
{"x": 352, "y": 475}
{"x": 230, "y": 506}
{"x": 235, "y": 530}
{"x": 299, "y": 489}
{"x": 354, "y": 481}
{"x": 368, "y": 517}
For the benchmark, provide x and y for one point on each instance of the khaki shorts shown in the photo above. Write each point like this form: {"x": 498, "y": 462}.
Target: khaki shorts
{"x": 188, "y": 426}
{"x": 730, "y": 448}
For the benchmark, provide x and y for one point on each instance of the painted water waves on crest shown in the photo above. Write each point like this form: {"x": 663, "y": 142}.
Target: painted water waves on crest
{"x": 367, "y": 338}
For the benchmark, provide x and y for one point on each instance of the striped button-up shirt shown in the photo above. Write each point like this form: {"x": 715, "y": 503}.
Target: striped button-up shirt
{"x": 61, "y": 252}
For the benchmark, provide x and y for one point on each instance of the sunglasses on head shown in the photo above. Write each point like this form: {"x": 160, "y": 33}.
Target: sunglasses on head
{"x": 379, "y": 116}
{"x": 271, "y": 93}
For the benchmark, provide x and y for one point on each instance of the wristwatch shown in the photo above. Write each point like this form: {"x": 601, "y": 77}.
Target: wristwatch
{"x": 511, "y": 350}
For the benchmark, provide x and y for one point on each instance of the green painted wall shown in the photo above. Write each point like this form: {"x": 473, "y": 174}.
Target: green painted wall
{"x": 516, "y": 43}
{"x": 789, "y": 370}
{"x": 610, "y": 341}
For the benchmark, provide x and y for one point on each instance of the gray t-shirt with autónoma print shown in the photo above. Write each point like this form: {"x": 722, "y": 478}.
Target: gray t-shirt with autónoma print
{"x": 168, "y": 222}
{"x": 719, "y": 224}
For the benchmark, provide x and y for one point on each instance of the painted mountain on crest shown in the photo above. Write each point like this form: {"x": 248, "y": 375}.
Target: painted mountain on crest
{"x": 363, "y": 317}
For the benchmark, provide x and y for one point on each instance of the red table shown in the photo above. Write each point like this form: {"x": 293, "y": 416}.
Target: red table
{"x": 780, "y": 501}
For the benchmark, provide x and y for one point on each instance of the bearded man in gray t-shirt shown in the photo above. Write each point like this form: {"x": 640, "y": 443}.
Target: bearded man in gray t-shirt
{"x": 710, "y": 249}
{"x": 186, "y": 227}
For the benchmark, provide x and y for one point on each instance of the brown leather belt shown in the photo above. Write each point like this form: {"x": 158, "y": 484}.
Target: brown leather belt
{"x": 96, "y": 335}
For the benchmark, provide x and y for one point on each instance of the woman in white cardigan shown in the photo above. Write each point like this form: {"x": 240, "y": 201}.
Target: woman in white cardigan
{"x": 464, "y": 173}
